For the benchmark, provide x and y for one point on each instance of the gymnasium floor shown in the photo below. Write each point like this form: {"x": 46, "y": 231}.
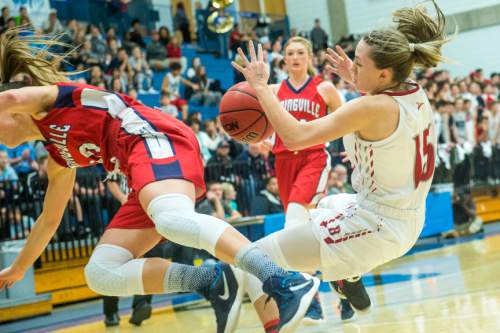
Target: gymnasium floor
{"x": 452, "y": 288}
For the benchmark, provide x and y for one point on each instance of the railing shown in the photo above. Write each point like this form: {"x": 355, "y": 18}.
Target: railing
{"x": 92, "y": 206}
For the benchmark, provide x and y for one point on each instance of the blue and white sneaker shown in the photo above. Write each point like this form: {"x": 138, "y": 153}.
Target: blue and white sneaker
{"x": 314, "y": 314}
{"x": 293, "y": 293}
{"x": 225, "y": 295}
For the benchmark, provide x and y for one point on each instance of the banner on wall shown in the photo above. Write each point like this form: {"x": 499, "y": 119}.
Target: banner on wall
{"x": 38, "y": 10}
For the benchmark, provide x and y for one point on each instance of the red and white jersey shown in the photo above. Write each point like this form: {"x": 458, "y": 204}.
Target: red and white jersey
{"x": 305, "y": 104}
{"x": 397, "y": 171}
{"x": 88, "y": 125}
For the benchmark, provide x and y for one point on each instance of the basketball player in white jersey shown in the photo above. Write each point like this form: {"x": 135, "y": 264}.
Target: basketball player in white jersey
{"x": 389, "y": 138}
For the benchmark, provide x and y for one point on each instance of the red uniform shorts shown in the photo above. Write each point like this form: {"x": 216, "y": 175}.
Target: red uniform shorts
{"x": 302, "y": 176}
{"x": 173, "y": 153}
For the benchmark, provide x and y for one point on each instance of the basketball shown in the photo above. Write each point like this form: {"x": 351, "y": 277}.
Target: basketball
{"x": 241, "y": 115}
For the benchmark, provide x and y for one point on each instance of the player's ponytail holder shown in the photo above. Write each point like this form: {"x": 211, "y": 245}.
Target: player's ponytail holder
{"x": 412, "y": 47}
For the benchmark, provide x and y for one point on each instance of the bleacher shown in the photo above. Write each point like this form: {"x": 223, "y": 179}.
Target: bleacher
{"x": 216, "y": 68}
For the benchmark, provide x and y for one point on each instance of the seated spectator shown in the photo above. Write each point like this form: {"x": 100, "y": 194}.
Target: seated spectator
{"x": 174, "y": 53}
{"x": 203, "y": 95}
{"x": 164, "y": 36}
{"x": 52, "y": 25}
{"x": 343, "y": 185}
{"x": 71, "y": 30}
{"x": 465, "y": 217}
{"x": 111, "y": 35}
{"x": 142, "y": 72}
{"x": 97, "y": 77}
{"x": 213, "y": 204}
{"x": 5, "y": 17}
{"x": 23, "y": 18}
{"x": 166, "y": 106}
{"x": 268, "y": 200}
{"x": 118, "y": 76}
{"x": 136, "y": 33}
{"x": 8, "y": 177}
{"x": 132, "y": 92}
{"x": 11, "y": 23}
{"x": 171, "y": 84}
{"x": 229, "y": 200}
{"x": 214, "y": 136}
{"x": 275, "y": 51}
{"x": 195, "y": 63}
{"x": 117, "y": 86}
{"x": 89, "y": 57}
{"x": 332, "y": 184}
{"x": 156, "y": 53}
{"x": 23, "y": 159}
{"x": 126, "y": 71}
{"x": 278, "y": 70}
{"x": 202, "y": 138}
{"x": 220, "y": 166}
{"x": 99, "y": 46}
{"x": 7, "y": 172}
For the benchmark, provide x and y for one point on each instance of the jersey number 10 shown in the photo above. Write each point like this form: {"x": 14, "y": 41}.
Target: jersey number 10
{"x": 424, "y": 172}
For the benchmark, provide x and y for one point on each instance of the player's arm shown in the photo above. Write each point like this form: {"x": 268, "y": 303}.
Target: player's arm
{"x": 29, "y": 100}
{"x": 354, "y": 116}
{"x": 60, "y": 188}
{"x": 116, "y": 192}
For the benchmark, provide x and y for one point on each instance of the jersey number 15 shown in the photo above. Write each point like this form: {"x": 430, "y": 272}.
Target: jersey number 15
{"x": 424, "y": 172}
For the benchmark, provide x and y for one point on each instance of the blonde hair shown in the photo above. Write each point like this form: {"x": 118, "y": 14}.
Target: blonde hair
{"x": 30, "y": 55}
{"x": 310, "y": 68}
{"x": 226, "y": 189}
{"x": 415, "y": 41}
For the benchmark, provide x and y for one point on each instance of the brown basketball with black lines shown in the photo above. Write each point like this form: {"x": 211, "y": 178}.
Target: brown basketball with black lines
{"x": 242, "y": 116}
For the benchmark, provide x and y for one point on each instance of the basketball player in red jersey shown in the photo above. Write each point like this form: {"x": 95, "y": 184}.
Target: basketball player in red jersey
{"x": 83, "y": 125}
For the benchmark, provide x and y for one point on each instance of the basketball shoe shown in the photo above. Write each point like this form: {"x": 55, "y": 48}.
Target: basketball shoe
{"x": 293, "y": 293}
{"x": 354, "y": 291}
{"x": 225, "y": 295}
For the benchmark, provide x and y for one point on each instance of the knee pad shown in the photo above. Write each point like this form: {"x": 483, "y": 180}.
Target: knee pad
{"x": 113, "y": 271}
{"x": 175, "y": 219}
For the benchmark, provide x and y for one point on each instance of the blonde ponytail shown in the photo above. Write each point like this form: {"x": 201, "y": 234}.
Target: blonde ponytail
{"x": 415, "y": 41}
{"x": 30, "y": 55}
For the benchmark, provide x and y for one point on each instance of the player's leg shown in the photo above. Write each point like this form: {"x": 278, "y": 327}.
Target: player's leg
{"x": 170, "y": 204}
{"x": 308, "y": 187}
{"x": 167, "y": 187}
{"x": 351, "y": 289}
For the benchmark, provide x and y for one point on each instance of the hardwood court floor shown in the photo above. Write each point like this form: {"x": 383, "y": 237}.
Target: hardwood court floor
{"x": 451, "y": 289}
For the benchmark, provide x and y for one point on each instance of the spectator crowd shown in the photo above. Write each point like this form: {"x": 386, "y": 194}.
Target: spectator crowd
{"x": 240, "y": 178}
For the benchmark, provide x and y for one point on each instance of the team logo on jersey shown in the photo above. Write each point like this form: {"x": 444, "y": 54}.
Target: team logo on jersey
{"x": 90, "y": 150}
{"x": 301, "y": 105}
{"x": 57, "y": 136}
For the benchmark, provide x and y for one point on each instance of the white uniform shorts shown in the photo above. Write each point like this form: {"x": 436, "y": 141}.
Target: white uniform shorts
{"x": 357, "y": 236}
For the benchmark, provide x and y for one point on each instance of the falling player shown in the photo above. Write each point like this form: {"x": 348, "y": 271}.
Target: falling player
{"x": 302, "y": 174}
{"x": 389, "y": 137}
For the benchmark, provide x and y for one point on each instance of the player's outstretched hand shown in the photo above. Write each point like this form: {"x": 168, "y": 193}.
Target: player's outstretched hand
{"x": 339, "y": 63}
{"x": 9, "y": 276}
{"x": 256, "y": 70}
